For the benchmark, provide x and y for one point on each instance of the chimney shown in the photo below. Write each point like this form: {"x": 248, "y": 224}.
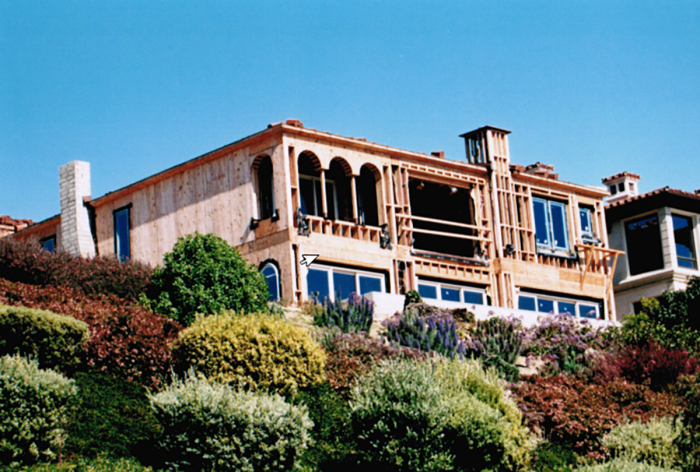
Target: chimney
{"x": 440, "y": 154}
{"x": 621, "y": 186}
{"x": 74, "y": 181}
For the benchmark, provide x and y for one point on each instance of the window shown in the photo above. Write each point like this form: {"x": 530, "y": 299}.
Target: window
{"x": 367, "y": 198}
{"x": 613, "y": 189}
{"x": 621, "y": 186}
{"x": 328, "y": 281}
{"x": 122, "y": 245}
{"x": 272, "y": 276}
{"x": 553, "y": 304}
{"x": 312, "y": 197}
{"x": 683, "y": 235}
{"x": 586, "y": 223}
{"x": 644, "y": 245}
{"x": 550, "y": 224}
{"x": 450, "y": 293}
{"x": 49, "y": 244}
{"x": 266, "y": 191}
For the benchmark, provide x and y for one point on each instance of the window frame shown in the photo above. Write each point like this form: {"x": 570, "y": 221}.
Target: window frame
{"x": 357, "y": 273}
{"x": 267, "y": 265}
{"x": 556, "y": 300}
{"x": 43, "y": 241}
{"x": 590, "y": 234}
{"x": 313, "y": 180}
{"x": 117, "y": 246}
{"x": 642, "y": 270}
{"x": 693, "y": 249}
{"x": 550, "y": 244}
{"x": 439, "y": 286}
{"x": 262, "y": 214}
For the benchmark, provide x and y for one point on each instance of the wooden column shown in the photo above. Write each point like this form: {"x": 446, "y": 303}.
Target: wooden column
{"x": 353, "y": 196}
{"x": 323, "y": 193}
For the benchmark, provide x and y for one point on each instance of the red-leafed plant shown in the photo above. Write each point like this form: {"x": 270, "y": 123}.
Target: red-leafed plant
{"x": 126, "y": 341}
{"x": 29, "y": 263}
{"x": 570, "y": 409}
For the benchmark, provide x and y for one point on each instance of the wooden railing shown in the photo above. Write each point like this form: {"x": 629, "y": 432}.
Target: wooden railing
{"x": 343, "y": 229}
{"x": 406, "y": 228}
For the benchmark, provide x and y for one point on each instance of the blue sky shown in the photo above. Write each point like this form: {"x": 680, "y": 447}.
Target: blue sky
{"x": 134, "y": 87}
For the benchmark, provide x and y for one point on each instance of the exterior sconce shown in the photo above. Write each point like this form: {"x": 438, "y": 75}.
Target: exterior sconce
{"x": 384, "y": 238}
{"x": 275, "y": 215}
{"x": 510, "y": 250}
{"x": 302, "y": 223}
{"x": 254, "y": 223}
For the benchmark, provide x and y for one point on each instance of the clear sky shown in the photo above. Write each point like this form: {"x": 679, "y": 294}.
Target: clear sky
{"x": 135, "y": 87}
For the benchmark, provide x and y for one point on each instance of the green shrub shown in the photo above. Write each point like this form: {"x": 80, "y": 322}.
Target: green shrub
{"x": 412, "y": 296}
{"x": 352, "y": 316}
{"x": 112, "y": 417}
{"x": 211, "y": 427}
{"x": 424, "y": 416}
{"x": 259, "y": 350}
{"x": 650, "y": 442}
{"x": 623, "y": 465}
{"x": 82, "y": 464}
{"x": 689, "y": 442}
{"x": 55, "y": 341}
{"x": 553, "y": 457}
{"x": 33, "y": 411}
{"x": 203, "y": 274}
{"x": 497, "y": 342}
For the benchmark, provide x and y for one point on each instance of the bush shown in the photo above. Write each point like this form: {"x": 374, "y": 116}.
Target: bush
{"x": 572, "y": 410}
{"x": 99, "y": 464}
{"x": 688, "y": 441}
{"x": 677, "y": 308}
{"x": 622, "y": 465}
{"x": 126, "y": 341}
{"x": 203, "y": 274}
{"x": 412, "y": 296}
{"x": 563, "y": 341}
{"x": 349, "y": 356}
{"x": 211, "y": 427}
{"x": 353, "y": 316}
{"x": 29, "y": 263}
{"x": 55, "y": 341}
{"x": 33, "y": 411}
{"x": 553, "y": 457}
{"x": 497, "y": 342}
{"x": 112, "y": 417}
{"x": 258, "y": 350}
{"x": 638, "y": 330}
{"x": 434, "y": 333}
{"x": 410, "y": 415}
{"x": 650, "y": 442}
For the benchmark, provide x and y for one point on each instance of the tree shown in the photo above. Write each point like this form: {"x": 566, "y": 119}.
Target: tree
{"x": 203, "y": 274}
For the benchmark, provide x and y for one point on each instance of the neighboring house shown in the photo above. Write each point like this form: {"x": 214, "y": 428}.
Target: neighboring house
{"x": 659, "y": 233}
{"x": 382, "y": 220}
{"x": 10, "y": 225}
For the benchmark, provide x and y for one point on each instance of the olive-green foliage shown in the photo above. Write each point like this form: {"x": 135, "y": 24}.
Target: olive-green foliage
{"x": 651, "y": 442}
{"x": 99, "y": 464}
{"x": 257, "y": 350}
{"x": 203, "y": 274}
{"x": 444, "y": 415}
{"x": 689, "y": 442}
{"x": 412, "y": 296}
{"x": 33, "y": 411}
{"x": 623, "y": 465}
{"x": 211, "y": 427}
{"x": 639, "y": 329}
{"x": 680, "y": 307}
{"x": 553, "y": 457}
{"x": 112, "y": 417}
{"x": 55, "y": 341}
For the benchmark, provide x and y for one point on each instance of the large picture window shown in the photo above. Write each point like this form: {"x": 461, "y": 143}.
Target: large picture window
{"x": 122, "y": 243}
{"x": 683, "y": 236}
{"x": 326, "y": 281}
{"x": 433, "y": 290}
{"x": 551, "y": 230}
{"x": 644, "y": 252}
{"x": 553, "y": 305}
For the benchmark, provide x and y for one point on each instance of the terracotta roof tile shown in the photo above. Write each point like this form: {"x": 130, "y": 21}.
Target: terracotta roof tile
{"x": 658, "y": 191}
{"x": 621, "y": 174}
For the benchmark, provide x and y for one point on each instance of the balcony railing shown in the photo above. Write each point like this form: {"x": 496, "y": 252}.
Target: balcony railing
{"x": 481, "y": 235}
{"x": 343, "y": 229}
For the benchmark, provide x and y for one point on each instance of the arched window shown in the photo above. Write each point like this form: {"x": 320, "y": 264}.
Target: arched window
{"x": 272, "y": 276}
{"x": 310, "y": 185}
{"x": 266, "y": 193}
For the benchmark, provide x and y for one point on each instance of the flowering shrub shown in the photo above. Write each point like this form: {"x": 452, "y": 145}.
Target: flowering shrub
{"x": 436, "y": 333}
{"x": 353, "y": 316}
{"x": 572, "y": 410}
{"x": 563, "y": 341}
{"x": 497, "y": 342}
{"x": 29, "y": 263}
{"x": 351, "y": 355}
{"x": 125, "y": 340}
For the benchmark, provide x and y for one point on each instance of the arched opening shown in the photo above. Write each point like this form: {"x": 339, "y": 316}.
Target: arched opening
{"x": 368, "y": 212}
{"x": 266, "y": 191}
{"x": 338, "y": 193}
{"x": 272, "y": 275}
{"x": 309, "y": 170}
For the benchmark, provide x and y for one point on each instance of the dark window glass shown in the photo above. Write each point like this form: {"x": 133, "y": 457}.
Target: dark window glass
{"x": 49, "y": 244}
{"x": 121, "y": 234}
{"x": 331, "y": 199}
{"x": 545, "y": 306}
{"x": 621, "y": 186}
{"x": 265, "y": 188}
{"x": 567, "y": 307}
{"x": 273, "y": 285}
{"x": 644, "y": 245}
{"x": 558, "y": 219}
{"x": 586, "y": 226}
{"x": 587, "y": 311}
{"x": 317, "y": 281}
{"x": 613, "y": 189}
{"x": 527, "y": 303}
{"x": 367, "y": 198}
{"x": 541, "y": 222}
{"x": 683, "y": 235}
{"x": 370, "y": 284}
{"x": 637, "y": 307}
{"x": 450, "y": 294}
{"x": 343, "y": 285}
{"x": 427, "y": 291}
{"x": 308, "y": 202}
{"x": 476, "y": 298}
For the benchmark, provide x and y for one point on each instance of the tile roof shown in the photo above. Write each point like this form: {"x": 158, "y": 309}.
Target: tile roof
{"x": 658, "y": 191}
{"x": 621, "y": 174}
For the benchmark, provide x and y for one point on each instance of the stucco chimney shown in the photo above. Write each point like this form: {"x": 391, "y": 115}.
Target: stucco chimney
{"x": 74, "y": 179}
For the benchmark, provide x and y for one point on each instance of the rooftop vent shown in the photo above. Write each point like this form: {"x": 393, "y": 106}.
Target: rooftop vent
{"x": 621, "y": 186}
